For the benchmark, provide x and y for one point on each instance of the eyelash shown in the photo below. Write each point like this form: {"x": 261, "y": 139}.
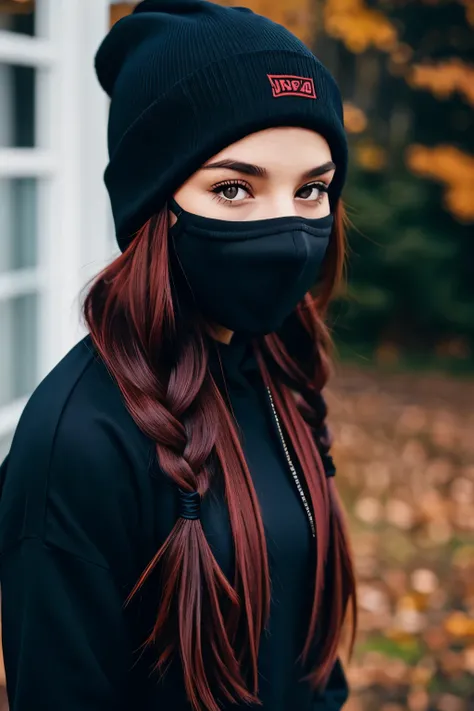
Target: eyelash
{"x": 216, "y": 189}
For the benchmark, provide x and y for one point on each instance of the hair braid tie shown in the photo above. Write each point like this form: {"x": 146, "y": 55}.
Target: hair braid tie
{"x": 189, "y": 504}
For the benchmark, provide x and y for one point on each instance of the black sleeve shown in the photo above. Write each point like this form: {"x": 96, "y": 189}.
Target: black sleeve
{"x": 336, "y": 692}
{"x": 66, "y": 513}
{"x": 63, "y": 632}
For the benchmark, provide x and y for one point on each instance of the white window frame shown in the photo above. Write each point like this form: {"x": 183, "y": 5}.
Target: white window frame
{"x": 68, "y": 160}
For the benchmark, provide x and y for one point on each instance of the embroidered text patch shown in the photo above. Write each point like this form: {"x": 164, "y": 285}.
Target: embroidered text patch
{"x": 289, "y": 85}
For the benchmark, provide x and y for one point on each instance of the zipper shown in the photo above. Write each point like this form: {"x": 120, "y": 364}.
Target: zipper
{"x": 291, "y": 465}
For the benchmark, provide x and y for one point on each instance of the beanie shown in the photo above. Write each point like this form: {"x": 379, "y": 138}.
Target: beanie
{"x": 187, "y": 78}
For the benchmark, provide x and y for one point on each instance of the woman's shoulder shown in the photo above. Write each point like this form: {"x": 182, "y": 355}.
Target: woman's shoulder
{"x": 78, "y": 405}
{"x": 80, "y": 383}
{"x": 74, "y": 459}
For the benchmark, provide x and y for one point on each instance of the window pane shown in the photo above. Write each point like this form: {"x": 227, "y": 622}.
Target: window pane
{"x": 18, "y": 354}
{"x": 5, "y": 443}
{"x": 17, "y": 102}
{"x": 18, "y": 17}
{"x": 18, "y": 223}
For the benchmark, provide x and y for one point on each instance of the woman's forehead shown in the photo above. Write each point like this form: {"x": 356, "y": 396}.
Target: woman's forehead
{"x": 276, "y": 149}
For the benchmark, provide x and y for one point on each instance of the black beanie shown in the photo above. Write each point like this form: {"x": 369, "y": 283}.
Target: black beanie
{"x": 189, "y": 77}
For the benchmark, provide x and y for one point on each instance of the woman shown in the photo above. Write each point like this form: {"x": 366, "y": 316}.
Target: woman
{"x": 170, "y": 530}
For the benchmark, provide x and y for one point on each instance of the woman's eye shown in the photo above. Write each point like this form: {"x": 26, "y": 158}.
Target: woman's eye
{"x": 315, "y": 191}
{"x": 233, "y": 192}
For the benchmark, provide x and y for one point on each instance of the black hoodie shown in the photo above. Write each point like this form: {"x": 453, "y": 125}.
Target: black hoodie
{"x": 84, "y": 508}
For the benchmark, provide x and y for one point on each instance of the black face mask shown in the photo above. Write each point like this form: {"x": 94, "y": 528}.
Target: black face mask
{"x": 249, "y": 276}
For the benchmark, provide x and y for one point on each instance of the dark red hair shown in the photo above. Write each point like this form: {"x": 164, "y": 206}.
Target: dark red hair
{"x": 155, "y": 346}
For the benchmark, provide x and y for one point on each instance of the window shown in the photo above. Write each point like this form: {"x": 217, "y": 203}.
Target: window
{"x": 54, "y": 209}
{"x": 18, "y": 16}
{"x": 19, "y": 274}
{"x": 18, "y": 218}
{"x": 17, "y": 101}
{"x": 18, "y": 365}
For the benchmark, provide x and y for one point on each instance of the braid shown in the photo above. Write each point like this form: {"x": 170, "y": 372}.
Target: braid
{"x": 176, "y": 403}
{"x": 160, "y": 364}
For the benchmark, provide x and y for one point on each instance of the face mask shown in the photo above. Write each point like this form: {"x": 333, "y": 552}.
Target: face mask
{"x": 249, "y": 276}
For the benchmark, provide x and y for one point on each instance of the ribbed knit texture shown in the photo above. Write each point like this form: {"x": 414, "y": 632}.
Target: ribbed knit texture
{"x": 187, "y": 78}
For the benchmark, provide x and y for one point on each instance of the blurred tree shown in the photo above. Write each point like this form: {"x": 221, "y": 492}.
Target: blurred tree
{"x": 119, "y": 10}
{"x": 405, "y": 69}
{"x": 296, "y": 15}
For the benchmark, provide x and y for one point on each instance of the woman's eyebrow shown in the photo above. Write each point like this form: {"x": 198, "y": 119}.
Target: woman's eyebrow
{"x": 320, "y": 170}
{"x": 239, "y": 167}
{"x": 259, "y": 172}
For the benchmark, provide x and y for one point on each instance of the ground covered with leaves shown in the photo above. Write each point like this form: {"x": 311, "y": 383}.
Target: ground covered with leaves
{"x": 404, "y": 447}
